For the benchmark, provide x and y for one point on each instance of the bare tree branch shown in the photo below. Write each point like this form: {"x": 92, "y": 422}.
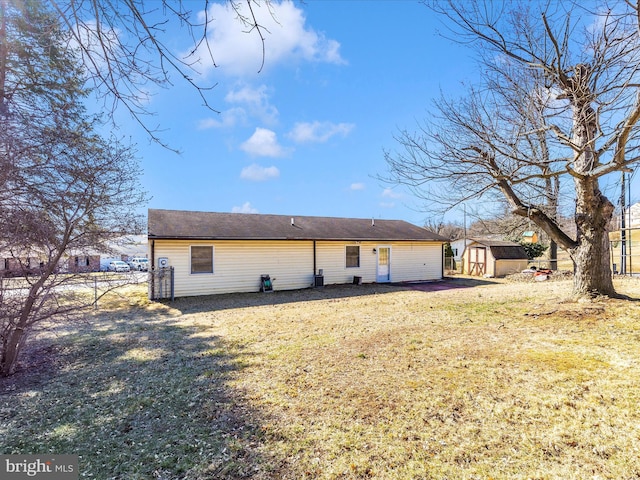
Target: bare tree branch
{"x": 122, "y": 46}
{"x": 557, "y": 99}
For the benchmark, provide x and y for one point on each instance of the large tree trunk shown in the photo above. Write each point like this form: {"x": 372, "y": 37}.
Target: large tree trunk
{"x": 11, "y": 351}
{"x": 17, "y": 334}
{"x": 591, "y": 256}
{"x": 592, "y": 270}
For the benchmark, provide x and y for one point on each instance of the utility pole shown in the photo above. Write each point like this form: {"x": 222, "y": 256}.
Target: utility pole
{"x": 623, "y": 233}
{"x": 465, "y": 224}
{"x": 464, "y": 248}
{"x": 630, "y": 226}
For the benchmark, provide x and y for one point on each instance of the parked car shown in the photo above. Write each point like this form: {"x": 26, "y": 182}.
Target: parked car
{"x": 119, "y": 266}
{"x": 140, "y": 264}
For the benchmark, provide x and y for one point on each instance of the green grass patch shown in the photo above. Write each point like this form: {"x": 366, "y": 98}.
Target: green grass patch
{"x": 497, "y": 381}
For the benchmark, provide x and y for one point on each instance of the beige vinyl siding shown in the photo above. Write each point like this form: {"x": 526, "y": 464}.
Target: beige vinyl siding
{"x": 416, "y": 261}
{"x": 410, "y": 261}
{"x": 237, "y": 265}
{"x": 332, "y": 259}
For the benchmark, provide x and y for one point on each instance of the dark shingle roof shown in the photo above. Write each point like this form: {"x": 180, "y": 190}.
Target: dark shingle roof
{"x": 178, "y": 224}
{"x": 504, "y": 250}
{"x": 509, "y": 253}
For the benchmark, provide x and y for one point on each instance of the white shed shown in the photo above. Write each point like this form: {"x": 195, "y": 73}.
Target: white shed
{"x": 494, "y": 258}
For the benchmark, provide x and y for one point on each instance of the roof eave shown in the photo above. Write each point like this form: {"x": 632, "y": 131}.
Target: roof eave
{"x": 263, "y": 239}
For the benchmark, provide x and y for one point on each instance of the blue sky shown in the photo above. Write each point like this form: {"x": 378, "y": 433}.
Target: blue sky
{"x": 306, "y": 135}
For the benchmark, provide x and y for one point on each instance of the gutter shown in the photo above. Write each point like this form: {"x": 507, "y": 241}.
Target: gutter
{"x": 299, "y": 239}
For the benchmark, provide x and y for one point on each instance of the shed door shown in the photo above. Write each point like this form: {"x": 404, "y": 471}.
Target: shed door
{"x": 384, "y": 265}
{"x": 477, "y": 260}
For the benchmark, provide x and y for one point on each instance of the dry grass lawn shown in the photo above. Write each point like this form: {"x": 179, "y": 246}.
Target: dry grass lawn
{"x": 500, "y": 380}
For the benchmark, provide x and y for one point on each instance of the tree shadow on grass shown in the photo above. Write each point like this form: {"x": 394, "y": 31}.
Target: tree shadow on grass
{"x": 212, "y": 303}
{"x": 138, "y": 399}
{"x": 449, "y": 283}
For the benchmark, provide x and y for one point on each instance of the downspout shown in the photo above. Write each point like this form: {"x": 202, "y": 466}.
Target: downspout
{"x": 151, "y": 270}
{"x": 314, "y": 261}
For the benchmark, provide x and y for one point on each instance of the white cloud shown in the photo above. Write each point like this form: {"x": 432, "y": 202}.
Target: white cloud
{"x": 388, "y": 193}
{"x": 357, "y": 186}
{"x": 238, "y": 50}
{"x": 248, "y": 95}
{"x": 248, "y": 102}
{"x": 228, "y": 118}
{"x": 245, "y": 208}
{"x": 255, "y": 101}
{"x": 318, "y": 132}
{"x": 263, "y": 143}
{"x": 258, "y": 173}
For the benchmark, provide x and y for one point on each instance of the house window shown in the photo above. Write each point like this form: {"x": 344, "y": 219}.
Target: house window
{"x": 353, "y": 256}
{"x": 202, "y": 259}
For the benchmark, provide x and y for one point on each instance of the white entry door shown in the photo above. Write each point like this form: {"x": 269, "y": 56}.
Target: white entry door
{"x": 384, "y": 265}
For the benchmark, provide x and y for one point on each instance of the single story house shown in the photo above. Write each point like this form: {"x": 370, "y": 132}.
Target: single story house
{"x": 18, "y": 266}
{"x": 458, "y": 246}
{"x": 31, "y": 260}
{"x": 216, "y": 253}
{"x": 80, "y": 263}
{"x": 493, "y": 258}
{"x": 74, "y": 262}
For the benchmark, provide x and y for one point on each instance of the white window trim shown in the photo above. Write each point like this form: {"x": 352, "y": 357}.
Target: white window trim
{"x": 213, "y": 260}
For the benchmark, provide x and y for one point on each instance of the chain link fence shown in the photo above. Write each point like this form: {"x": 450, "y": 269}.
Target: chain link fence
{"x": 92, "y": 285}
{"x": 161, "y": 283}
{"x": 625, "y": 251}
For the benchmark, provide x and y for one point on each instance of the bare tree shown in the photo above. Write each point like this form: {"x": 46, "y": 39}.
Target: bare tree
{"x": 503, "y": 225}
{"x": 78, "y": 204}
{"x": 124, "y": 46}
{"x": 65, "y": 189}
{"x": 452, "y": 231}
{"x": 578, "y": 120}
